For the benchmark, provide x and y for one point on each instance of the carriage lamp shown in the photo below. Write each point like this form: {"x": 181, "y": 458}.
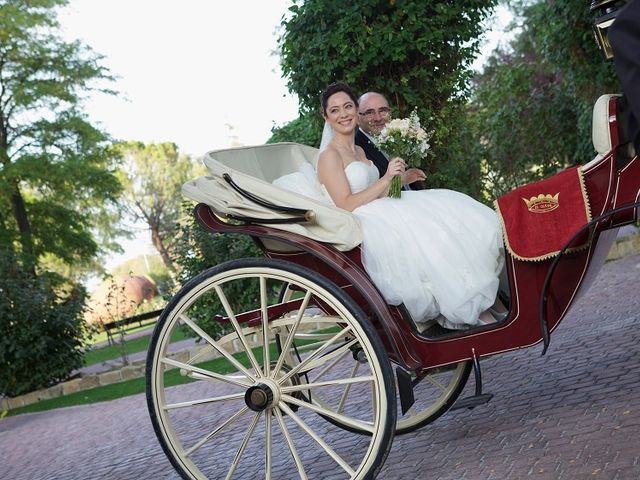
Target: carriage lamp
{"x": 606, "y": 11}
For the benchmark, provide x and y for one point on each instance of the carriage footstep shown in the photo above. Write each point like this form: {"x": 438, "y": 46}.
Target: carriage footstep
{"x": 478, "y": 398}
{"x": 472, "y": 401}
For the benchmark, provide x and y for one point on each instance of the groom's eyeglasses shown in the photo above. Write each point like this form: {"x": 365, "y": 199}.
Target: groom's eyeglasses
{"x": 382, "y": 111}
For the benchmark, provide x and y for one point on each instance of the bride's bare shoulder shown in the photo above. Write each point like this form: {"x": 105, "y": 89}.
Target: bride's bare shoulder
{"x": 329, "y": 155}
{"x": 329, "y": 163}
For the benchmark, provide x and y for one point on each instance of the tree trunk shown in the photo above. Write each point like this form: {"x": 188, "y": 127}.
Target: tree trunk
{"x": 162, "y": 250}
{"x": 17, "y": 202}
{"x": 6, "y": 245}
{"x": 24, "y": 227}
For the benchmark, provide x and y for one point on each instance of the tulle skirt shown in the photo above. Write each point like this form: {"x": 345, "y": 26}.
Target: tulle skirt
{"x": 439, "y": 252}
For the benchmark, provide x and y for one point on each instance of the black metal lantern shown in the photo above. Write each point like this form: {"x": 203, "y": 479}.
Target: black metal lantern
{"x": 606, "y": 11}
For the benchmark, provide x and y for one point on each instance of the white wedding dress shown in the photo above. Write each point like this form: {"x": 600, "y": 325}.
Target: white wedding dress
{"x": 439, "y": 252}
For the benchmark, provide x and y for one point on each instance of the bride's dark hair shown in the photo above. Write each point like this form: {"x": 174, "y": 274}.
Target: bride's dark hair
{"x": 335, "y": 88}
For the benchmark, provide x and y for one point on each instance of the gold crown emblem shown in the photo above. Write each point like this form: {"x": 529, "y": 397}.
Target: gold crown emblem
{"x": 542, "y": 203}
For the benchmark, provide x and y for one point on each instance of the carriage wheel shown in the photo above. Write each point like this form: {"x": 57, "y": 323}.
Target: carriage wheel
{"x": 248, "y": 414}
{"x": 435, "y": 391}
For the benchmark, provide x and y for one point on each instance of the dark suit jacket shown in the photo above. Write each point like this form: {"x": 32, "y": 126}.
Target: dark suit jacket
{"x": 624, "y": 36}
{"x": 372, "y": 152}
{"x": 378, "y": 158}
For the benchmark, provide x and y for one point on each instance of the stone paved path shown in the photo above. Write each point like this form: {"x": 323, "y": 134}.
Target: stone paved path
{"x": 573, "y": 414}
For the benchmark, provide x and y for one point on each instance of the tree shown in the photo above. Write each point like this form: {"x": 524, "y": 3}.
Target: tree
{"x": 533, "y": 102}
{"x": 56, "y": 178}
{"x": 152, "y": 178}
{"x": 305, "y": 129}
{"x": 417, "y": 53}
{"x": 197, "y": 250}
{"x": 56, "y": 169}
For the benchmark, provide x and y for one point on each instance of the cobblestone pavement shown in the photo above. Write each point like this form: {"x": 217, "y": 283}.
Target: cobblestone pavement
{"x": 573, "y": 414}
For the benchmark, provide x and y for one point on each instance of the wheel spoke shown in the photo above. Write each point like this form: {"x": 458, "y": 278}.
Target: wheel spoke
{"x": 266, "y": 361}
{"x": 198, "y": 376}
{"x": 267, "y": 445}
{"x": 207, "y": 373}
{"x": 243, "y": 445}
{"x": 193, "y": 403}
{"x": 317, "y": 360}
{"x": 232, "y": 317}
{"x": 347, "y": 388}
{"x": 217, "y": 346}
{"x": 213, "y": 433}
{"x": 343, "y": 419}
{"x": 292, "y": 332}
{"x": 339, "y": 460}
{"x": 342, "y": 381}
{"x": 307, "y": 362}
{"x": 292, "y": 448}
{"x": 329, "y": 367}
{"x": 436, "y": 383}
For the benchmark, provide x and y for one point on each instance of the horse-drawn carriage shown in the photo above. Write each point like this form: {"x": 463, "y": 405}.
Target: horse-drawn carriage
{"x": 328, "y": 372}
{"x": 314, "y": 373}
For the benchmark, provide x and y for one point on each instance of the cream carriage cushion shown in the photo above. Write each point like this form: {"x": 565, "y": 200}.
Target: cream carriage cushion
{"x": 600, "y": 124}
{"x": 254, "y": 169}
{"x": 601, "y": 135}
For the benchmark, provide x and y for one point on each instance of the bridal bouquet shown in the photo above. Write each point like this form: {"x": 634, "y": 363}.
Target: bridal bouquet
{"x": 404, "y": 138}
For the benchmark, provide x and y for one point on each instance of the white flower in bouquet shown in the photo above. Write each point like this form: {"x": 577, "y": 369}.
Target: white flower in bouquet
{"x": 404, "y": 138}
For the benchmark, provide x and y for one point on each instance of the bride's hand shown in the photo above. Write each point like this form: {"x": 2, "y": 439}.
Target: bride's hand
{"x": 396, "y": 167}
{"x": 413, "y": 175}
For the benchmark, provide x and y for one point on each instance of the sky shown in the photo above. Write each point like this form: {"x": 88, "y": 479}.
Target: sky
{"x": 200, "y": 73}
{"x": 194, "y": 72}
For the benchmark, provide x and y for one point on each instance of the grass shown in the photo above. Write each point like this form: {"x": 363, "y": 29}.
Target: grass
{"x": 134, "y": 345}
{"x": 132, "y": 387}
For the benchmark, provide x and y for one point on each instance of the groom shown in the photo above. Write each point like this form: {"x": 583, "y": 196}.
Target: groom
{"x": 624, "y": 36}
{"x": 373, "y": 115}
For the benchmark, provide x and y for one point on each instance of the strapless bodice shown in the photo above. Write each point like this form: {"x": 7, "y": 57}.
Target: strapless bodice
{"x": 360, "y": 175}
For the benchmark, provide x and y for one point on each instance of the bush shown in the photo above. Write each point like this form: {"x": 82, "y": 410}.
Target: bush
{"x": 41, "y": 329}
{"x": 306, "y": 129}
{"x": 197, "y": 250}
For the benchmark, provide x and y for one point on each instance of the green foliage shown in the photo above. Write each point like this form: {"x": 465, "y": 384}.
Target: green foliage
{"x": 198, "y": 250}
{"x": 41, "y": 329}
{"x": 532, "y": 103}
{"x": 56, "y": 169}
{"x": 152, "y": 177}
{"x": 395, "y": 47}
{"x": 306, "y": 129}
{"x": 523, "y": 120}
{"x": 416, "y": 53}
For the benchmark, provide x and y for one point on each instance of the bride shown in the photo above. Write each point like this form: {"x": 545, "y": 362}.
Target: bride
{"x": 437, "y": 251}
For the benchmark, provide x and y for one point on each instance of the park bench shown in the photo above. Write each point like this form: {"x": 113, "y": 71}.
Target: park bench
{"x": 125, "y": 324}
